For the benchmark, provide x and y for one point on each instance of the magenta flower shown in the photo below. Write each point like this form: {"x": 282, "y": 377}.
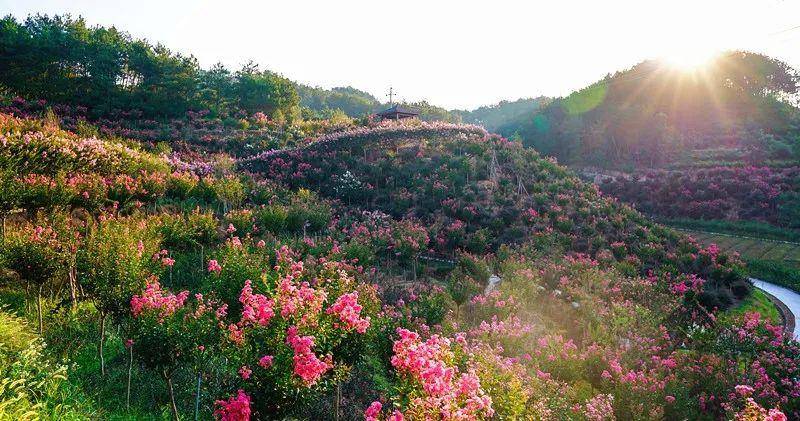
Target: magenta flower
{"x": 213, "y": 266}
{"x": 236, "y": 408}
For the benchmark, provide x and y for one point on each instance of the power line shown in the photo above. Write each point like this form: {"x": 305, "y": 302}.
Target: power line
{"x": 784, "y": 30}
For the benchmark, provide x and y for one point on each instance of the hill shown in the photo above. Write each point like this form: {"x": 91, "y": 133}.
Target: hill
{"x": 479, "y": 192}
{"x": 347, "y": 273}
{"x": 654, "y": 114}
{"x": 234, "y": 245}
{"x": 493, "y": 117}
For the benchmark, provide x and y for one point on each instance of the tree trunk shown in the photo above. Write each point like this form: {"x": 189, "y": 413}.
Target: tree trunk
{"x": 130, "y": 374}
{"x": 100, "y": 344}
{"x": 171, "y": 390}
{"x": 39, "y": 308}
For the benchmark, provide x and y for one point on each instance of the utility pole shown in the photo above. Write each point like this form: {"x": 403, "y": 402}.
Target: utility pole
{"x": 391, "y": 95}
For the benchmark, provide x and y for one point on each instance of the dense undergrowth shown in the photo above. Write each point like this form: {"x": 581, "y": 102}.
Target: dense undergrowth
{"x": 742, "y": 194}
{"x": 347, "y": 276}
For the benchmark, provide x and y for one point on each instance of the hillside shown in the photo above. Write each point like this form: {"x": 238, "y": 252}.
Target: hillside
{"x": 494, "y": 117}
{"x": 480, "y": 191}
{"x": 654, "y": 114}
{"x": 184, "y": 242}
{"x": 347, "y": 274}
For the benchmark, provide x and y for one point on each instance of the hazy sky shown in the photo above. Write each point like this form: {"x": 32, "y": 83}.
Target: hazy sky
{"x": 457, "y": 54}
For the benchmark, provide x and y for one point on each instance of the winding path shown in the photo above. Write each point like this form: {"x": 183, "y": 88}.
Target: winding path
{"x": 789, "y": 298}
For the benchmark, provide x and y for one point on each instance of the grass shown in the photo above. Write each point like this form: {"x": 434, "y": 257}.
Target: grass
{"x": 775, "y": 272}
{"x": 753, "y": 248}
{"x": 739, "y": 228}
{"x": 756, "y": 302}
{"x": 772, "y": 261}
{"x": 66, "y": 370}
{"x": 33, "y": 385}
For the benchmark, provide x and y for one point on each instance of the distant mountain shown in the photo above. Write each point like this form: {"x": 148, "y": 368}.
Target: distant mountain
{"x": 492, "y": 117}
{"x": 654, "y": 113}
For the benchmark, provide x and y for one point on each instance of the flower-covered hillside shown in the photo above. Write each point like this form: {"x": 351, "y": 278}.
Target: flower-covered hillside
{"x": 477, "y": 191}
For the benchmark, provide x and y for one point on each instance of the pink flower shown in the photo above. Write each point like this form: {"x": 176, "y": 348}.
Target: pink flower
{"x": 261, "y": 244}
{"x": 396, "y": 416}
{"x": 349, "y": 312}
{"x": 306, "y": 364}
{"x": 775, "y": 415}
{"x": 231, "y": 229}
{"x": 156, "y": 299}
{"x": 234, "y": 409}
{"x": 744, "y": 390}
{"x": 213, "y": 266}
{"x": 266, "y": 361}
{"x": 257, "y": 309}
{"x": 245, "y": 372}
{"x": 373, "y": 412}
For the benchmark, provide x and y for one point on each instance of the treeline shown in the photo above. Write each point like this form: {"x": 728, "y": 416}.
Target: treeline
{"x": 492, "y": 117}
{"x": 653, "y": 113}
{"x": 62, "y": 60}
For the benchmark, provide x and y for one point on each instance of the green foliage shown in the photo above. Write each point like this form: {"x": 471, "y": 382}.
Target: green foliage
{"x": 776, "y": 272}
{"x": 32, "y": 385}
{"x": 756, "y": 302}
{"x": 652, "y": 115}
{"x": 188, "y": 231}
{"x": 115, "y": 262}
{"x": 746, "y": 228}
{"x": 61, "y": 59}
{"x": 272, "y": 218}
{"x": 494, "y": 116}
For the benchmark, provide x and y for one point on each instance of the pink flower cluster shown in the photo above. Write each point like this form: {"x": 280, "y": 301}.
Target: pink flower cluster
{"x": 155, "y": 298}
{"x": 236, "y": 408}
{"x": 257, "y": 309}
{"x": 373, "y": 413}
{"x": 446, "y": 393}
{"x": 214, "y": 266}
{"x": 299, "y": 298}
{"x": 349, "y": 312}
{"x": 306, "y": 364}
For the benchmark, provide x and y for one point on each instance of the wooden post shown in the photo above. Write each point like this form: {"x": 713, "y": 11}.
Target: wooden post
{"x": 130, "y": 374}
{"x": 197, "y": 399}
{"x": 171, "y": 390}
{"x": 100, "y": 344}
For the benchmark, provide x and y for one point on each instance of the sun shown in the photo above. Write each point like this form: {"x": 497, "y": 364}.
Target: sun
{"x": 690, "y": 59}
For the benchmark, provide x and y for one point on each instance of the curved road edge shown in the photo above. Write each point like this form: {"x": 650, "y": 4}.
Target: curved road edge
{"x": 787, "y": 301}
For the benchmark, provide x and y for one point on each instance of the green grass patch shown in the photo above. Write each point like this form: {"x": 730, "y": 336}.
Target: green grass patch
{"x": 775, "y": 272}
{"x": 757, "y": 302}
{"x": 744, "y": 228}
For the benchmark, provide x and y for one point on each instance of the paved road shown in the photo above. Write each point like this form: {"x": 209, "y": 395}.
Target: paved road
{"x": 789, "y": 297}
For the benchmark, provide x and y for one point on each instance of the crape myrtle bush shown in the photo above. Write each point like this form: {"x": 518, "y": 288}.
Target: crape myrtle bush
{"x": 240, "y": 133}
{"x": 43, "y": 167}
{"x": 732, "y": 193}
{"x": 477, "y": 191}
{"x": 282, "y": 304}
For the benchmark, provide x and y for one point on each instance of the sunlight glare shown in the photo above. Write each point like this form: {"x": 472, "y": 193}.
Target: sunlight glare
{"x": 690, "y": 59}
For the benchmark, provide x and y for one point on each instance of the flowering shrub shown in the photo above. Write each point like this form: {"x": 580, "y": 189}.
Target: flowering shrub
{"x": 732, "y": 193}
{"x": 474, "y": 191}
{"x": 237, "y": 408}
{"x": 266, "y": 300}
{"x": 431, "y": 384}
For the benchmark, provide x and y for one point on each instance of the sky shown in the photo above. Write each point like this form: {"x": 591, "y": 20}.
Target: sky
{"x": 455, "y": 54}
